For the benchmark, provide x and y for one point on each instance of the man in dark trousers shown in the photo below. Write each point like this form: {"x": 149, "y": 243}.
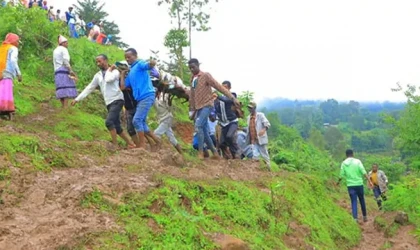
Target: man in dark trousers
{"x": 353, "y": 171}
{"x": 228, "y": 121}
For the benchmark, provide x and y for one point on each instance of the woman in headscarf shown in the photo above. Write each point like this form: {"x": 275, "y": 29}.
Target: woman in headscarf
{"x": 9, "y": 69}
{"x": 64, "y": 76}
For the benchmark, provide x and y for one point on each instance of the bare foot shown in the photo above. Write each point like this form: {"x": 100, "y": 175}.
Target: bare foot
{"x": 215, "y": 157}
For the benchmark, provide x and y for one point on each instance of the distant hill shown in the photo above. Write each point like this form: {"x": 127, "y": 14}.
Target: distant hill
{"x": 273, "y": 104}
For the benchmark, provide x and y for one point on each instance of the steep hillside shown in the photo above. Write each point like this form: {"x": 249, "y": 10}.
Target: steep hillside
{"x": 63, "y": 187}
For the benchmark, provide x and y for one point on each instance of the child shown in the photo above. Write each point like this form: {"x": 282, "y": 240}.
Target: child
{"x": 164, "y": 114}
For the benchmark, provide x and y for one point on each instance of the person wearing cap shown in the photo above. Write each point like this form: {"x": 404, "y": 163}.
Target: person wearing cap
{"x": 9, "y": 69}
{"x": 64, "y": 82}
{"x": 107, "y": 79}
{"x": 202, "y": 103}
{"x": 380, "y": 182}
{"x": 257, "y": 133}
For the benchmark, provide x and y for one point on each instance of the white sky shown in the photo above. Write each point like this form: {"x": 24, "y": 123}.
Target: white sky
{"x": 301, "y": 49}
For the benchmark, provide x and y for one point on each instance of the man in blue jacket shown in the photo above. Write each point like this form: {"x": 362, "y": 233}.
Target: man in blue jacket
{"x": 138, "y": 79}
{"x": 228, "y": 120}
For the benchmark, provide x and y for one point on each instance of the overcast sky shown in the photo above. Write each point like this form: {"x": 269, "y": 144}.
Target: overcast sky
{"x": 301, "y": 49}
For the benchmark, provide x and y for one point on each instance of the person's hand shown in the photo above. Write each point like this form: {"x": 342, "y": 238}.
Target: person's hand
{"x": 19, "y": 78}
{"x": 370, "y": 184}
{"x": 73, "y": 102}
{"x": 262, "y": 132}
{"x": 237, "y": 102}
{"x": 124, "y": 72}
{"x": 113, "y": 67}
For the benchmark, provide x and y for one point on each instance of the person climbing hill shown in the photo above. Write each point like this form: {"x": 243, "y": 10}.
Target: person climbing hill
{"x": 138, "y": 79}
{"x": 107, "y": 79}
{"x": 64, "y": 76}
{"x": 9, "y": 69}
{"x": 202, "y": 103}
{"x": 353, "y": 171}
{"x": 380, "y": 182}
{"x": 164, "y": 114}
{"x": 258, "y": 125}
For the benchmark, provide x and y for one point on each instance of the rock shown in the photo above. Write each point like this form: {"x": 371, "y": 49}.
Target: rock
{"x": 227, "y": 242}
{"x": 401, "y": 218}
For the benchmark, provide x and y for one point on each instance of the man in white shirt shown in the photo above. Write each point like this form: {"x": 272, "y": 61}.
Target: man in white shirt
{"x": 108, "y": 81}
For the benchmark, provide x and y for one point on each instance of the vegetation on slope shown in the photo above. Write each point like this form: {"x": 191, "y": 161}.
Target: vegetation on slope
{"x": 188, "y": 213}
{"x": 265, "y": 213}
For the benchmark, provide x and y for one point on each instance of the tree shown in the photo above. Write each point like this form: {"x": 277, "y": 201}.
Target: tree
{"x": 317, "y": 139}
{"x": 176, "y": 40}
{"x": 92, "y": 10}
{"x": 188, "y": 14}
{"x": 330, "y": 108}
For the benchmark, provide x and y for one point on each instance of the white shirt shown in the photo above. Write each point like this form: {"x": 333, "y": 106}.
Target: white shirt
{"x": 96, "y": 29}
{"x": 61, "y": 57}
{"x": 12, "y": 66}
{"x": 212, "y": 127}
{"x": 72, "y": 20}
{"x": 163, "y": 110}
{"x": 109, "y": 85}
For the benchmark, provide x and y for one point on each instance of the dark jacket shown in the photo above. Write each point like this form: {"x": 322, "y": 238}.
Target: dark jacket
{"x": 224, "y": 109}
{"x": 129, "y": 101}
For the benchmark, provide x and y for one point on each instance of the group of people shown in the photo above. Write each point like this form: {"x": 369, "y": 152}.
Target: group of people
{"x": 353, "y": 171}
{"x": 131, "y": 87}
{"x": 93, "y": 30}
{"x": 127, "y": 86}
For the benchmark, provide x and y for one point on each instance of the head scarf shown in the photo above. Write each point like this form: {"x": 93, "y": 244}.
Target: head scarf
{"x": 61, "y": 39}
{"x": 11, "y": 38}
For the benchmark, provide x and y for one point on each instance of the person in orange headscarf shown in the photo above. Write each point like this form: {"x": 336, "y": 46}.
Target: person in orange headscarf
{"x": 9, "y": 69}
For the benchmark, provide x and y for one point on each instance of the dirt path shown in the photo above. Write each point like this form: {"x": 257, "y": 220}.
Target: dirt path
{"x": 43, "y": 210}
{"x": 375, "y": 239}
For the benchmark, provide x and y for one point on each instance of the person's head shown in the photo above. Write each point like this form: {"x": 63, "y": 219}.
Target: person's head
{"x": 131, "y": 56}
{"x": 375, "y": 168}
{"x": 102, "y": 62}
{"x": 12, "y": 39}
{"x": 70, "y": 9}
{"x": 227, "y": 85}
{"x": 252, "y": 107}
{"x": 62, "y": 41}
{"x": 349, "y": 153}
{"x": 58, "y": 11}
{"x": 194, "y": 66}
{"x": 215, "y": 95}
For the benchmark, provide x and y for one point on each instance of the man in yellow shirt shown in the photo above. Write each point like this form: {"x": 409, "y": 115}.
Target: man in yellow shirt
{"x": 380, "y": 182}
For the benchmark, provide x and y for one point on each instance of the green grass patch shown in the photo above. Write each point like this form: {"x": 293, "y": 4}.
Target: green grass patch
{"x": 184, "y": 213}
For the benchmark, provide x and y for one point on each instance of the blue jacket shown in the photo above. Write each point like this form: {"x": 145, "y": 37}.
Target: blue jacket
{"x": 139, "y": 80}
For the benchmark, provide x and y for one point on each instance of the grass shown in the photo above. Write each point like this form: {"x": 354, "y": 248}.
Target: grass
{"x": 185, "y": 213}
